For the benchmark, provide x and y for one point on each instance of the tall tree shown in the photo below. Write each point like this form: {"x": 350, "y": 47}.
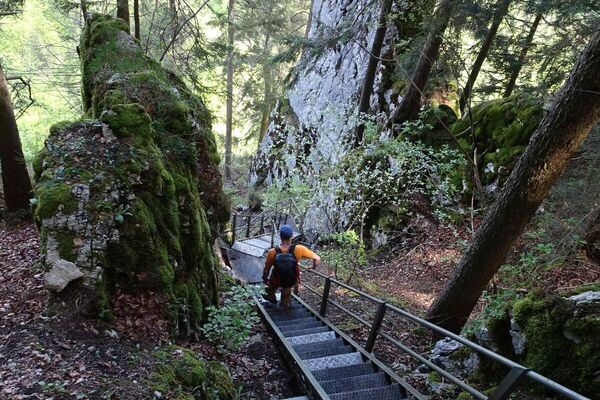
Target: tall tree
{"x": 411, "y": 102}
{"x": 136, "y": 18}
{"x": 574, "y": 113}
{"x": 123, "y": 12}
{"x": 501, "y": 11}
{"x": 268, "y": 91}
{"x": 229, "y": 104}
{"x": 15, "y": 178}
{"x": 516, "y": 69}
{"x": 367, "y": 87}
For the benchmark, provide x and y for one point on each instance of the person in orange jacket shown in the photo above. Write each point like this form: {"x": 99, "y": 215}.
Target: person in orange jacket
{"x": 282, "y": 267}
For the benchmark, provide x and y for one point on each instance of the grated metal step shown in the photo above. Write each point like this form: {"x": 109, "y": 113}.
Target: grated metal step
{"x": 339, "y": 360}
{"x": 302, "y": 348}
{"x": 391, "y": 392}
{"x": 309, "y": 331}
{"x": 330, "y": 351}
{"x": 355, "y": 383}
{"x": 344, "y": 372}
{"x": 300, "y": 325}
{"x": 316, "y": 337}
{"x": 290, "y": 316}
{"x": 283, "y": 323}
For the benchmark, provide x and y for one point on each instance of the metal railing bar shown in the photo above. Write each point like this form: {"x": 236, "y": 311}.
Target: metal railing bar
{"x": 350, "y": 313}
{"x": 342, "y": 284}
{"x": 557, "y": 387}
{"x": 310, "y": 289}
{"x": 474, "y": 346}
{"x": 436, "y": 368}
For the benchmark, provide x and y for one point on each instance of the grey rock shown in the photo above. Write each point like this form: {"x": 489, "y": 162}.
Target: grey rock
{"x": 61, "y": 274}
{"x": 446, "y": 347}
{"x": 519, "y": 341}
{"x": 484, "y": 338}
{"x": 586, "y": 297}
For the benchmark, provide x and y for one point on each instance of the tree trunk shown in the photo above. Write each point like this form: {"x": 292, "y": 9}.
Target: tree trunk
{"x": 136, "y": 18}
{"x": 229, "y": 105}
{"x": 367, "y": 88}
{"x": 123, "y": 12}
{"x": 309, "y": 19}
{"x": 83, "y": 6}
{"x": 267, "y": 99}
{"x": 501, "y": 11}
{"x": 575, "y": 111}
{"x": 15, "y": 178}
{"x": 521, "y": 61}
{"x": 411, "y": 102}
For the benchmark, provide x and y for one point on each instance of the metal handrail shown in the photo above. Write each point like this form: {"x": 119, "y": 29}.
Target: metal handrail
{"x": 504, "y": 389}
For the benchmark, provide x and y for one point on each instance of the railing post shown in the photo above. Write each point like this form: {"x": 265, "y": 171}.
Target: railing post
{"x": 376, "y": 326}
{"x": 234, "y": 223}
{"x": 325, "y": 297}
{"x": 506, "y": 387}
{"x": 273, "y": 233}
{"x": 262, "y": 223}
{"x": 248, "y": 226}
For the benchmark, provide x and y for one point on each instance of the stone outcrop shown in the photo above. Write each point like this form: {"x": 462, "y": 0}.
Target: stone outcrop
{"x": 556, "y": 335}
{"x": 131, "y": 194}
{"x": 312, "y": 127}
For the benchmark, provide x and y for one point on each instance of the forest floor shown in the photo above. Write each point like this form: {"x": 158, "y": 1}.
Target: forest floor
{"x": 44, "y": 356}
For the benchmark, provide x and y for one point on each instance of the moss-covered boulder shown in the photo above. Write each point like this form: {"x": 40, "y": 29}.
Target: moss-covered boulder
{"x": 181, "y": 374}
{"x": 132, "y": 194}
{"x": 555, "y": 335}
{"x": 498, "y": 130}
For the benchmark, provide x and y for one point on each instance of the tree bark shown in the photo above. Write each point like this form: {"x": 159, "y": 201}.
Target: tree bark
{"x": 123, "y": 12}
{"x": 575, "y": 111}
{"x": 15, "y": 178}
{"x": 83, "y": 6}
{"x": 521, "y": 61}
{"x": 411, "y": 102}
{"x": 136, "y": 18}
{"x": 501, "y": 11}
{"x": 268, "y": 91}
{"x": 367, "y": 88}
{"x": 229, "y": 105}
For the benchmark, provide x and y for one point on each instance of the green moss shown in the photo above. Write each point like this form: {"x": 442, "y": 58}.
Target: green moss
{"x": 38, "y": 164}
{"x": 65, "y": 246}
{"x": 128, "y": 120}
{"x": 501, "y": 130}
{"x": 52, "y": 198}
{"x": 59, "y": 126}
{"x": 181, "y": 374}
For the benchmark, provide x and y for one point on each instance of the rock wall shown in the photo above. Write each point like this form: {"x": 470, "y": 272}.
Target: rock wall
{"x": 309, "y": 129}
{"x": 129, "y": 198}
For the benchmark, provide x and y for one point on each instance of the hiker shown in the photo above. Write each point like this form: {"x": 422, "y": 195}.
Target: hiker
{"x": 281, "y": 267}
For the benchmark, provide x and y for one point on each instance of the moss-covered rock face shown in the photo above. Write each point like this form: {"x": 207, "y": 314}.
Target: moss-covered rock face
{"x": 557, "y": 336}
{"x": 133, "y": 196}
{"x": 501, "y": 131}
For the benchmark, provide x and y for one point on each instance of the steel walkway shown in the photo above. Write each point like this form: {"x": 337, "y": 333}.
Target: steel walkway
{"x": 330, "y": 363}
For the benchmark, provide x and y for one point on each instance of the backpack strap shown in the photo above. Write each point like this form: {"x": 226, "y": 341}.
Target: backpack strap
{"x": 291, "y": 250}
{"x": 278, "y": 250}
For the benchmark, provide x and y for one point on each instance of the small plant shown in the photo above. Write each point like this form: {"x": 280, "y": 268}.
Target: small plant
{"x": 348, "y": 253}
{"x": 495, "y": 306}
{"x": 229, "y": 326}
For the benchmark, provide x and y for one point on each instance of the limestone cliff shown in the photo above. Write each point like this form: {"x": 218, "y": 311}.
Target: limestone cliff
{"x": 312, "y": 127}
{"x": 130, "y": 196}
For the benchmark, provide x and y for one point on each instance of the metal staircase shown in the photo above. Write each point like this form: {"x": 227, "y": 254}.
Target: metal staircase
{"x": 331, "y": 364}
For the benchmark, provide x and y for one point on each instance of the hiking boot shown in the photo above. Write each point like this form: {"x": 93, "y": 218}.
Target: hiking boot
{"x": 264, "y": 296}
